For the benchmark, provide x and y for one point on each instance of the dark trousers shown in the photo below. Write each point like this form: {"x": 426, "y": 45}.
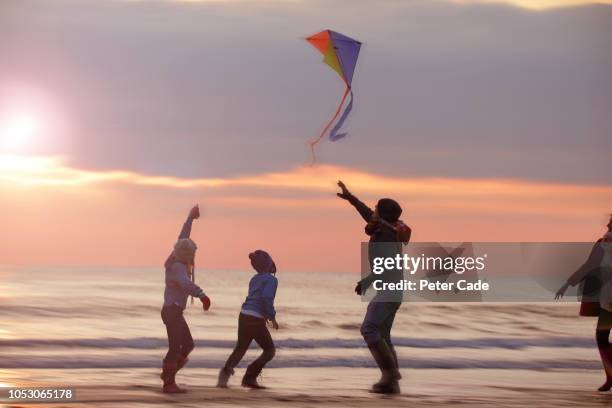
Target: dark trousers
{"x": 378, "y": 321}
{"x": 252, "y": 328}
{"x": 602, "y": 335}
{"x": 603, "y": 338}
{"x": 376, "y": 331}
{"x": 180, "y": 342}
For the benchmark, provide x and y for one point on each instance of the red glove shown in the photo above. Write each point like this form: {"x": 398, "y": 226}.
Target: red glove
{"x": 195, "y": 212}
{"x": 205, "y": 302}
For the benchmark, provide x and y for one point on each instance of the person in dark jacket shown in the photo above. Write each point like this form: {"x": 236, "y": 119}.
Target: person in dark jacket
{"x": 179, "y": 286}
{"x": 385, "y": 241}
{"x": 593, "y": 271}
{"x": 257, "y": 309}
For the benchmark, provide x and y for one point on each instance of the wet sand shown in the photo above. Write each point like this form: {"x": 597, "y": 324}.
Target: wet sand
{"x": 331, "y": 387}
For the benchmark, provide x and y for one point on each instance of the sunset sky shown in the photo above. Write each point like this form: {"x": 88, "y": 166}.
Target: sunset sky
{"x": 487, "y": 120}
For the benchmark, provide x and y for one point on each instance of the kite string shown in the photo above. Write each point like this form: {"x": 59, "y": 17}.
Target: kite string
{"x": 326, "y": 128}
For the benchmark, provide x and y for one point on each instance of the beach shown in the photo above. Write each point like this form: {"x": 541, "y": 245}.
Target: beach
{"x": 98, "y": 331}
{"x": 332, "y": 387}
{"x": 453, "y": 155}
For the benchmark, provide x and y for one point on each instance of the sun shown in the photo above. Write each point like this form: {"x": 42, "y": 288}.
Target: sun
{"x": 17, "y": 131}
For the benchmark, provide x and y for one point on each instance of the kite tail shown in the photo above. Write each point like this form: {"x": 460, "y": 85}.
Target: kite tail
{"x": 318, "y": 139}
{"x": 334, "y": 135}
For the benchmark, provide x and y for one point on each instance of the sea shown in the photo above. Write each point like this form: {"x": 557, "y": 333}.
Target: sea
{"x": 109, "y": 318}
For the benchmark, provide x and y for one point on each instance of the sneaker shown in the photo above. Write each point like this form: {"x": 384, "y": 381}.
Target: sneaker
{"x": 250, "y": 381}
{"x": 606, "y": 386}
{"x": 172, "y": 388}
{"x": 386, "y": 388}
{"x": 224, "y": 376}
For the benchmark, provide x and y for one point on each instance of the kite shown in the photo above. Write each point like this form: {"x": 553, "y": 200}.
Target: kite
{"x": 340, "y": 53}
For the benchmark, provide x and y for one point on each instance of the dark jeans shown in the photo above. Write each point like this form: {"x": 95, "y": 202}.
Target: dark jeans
{"x": 378, "y": 321}
{"x": 180, "y": 342}
{"x": 252, "y": 328}
{"x": 602, "y": 334}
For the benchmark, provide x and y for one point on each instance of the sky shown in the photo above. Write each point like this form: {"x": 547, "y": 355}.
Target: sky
{"x": 487, "y": 120}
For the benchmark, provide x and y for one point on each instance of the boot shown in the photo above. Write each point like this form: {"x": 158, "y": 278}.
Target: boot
{"x": 392, "y": 387}
{"x": 396, "y": 361}
{"x": 182, "y": 362}
{"x": 384, "y": 358}
{"x": 224, "y": 376}
{"x": 168, "y": 376}
{"x": 250, "y": 378}
{"x": 166, "y": 373}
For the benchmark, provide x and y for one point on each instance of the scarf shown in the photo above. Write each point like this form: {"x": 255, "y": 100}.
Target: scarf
{"x": 401, "y": 230}
{"x": 190, "y": 268}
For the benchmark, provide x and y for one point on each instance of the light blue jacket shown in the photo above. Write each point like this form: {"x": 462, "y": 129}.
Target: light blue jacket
{"x": 262, "y": 291}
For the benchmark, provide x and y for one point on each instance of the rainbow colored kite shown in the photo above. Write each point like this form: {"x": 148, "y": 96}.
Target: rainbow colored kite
{"x": 340, "y": 53}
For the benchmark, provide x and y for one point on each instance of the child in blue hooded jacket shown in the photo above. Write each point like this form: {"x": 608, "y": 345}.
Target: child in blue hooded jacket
{"x": 257, "y": 309}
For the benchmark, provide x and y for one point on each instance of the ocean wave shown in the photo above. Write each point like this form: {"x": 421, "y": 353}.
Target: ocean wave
{"x": 81, "y": 311}
{"x": 72, "y": 361}
{"x": 428, "y": 343}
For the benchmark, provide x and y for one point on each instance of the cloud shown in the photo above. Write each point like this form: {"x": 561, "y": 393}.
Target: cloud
{"x": 227, "y": 89}
{"x": 535, "y": 4}
{"x": 303, "y": 184}
{"x": 57, "y": 214}
{"x": 527, "y": 4}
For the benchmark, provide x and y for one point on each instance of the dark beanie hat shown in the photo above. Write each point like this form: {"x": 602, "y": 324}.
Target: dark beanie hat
{"x": 262, "y": 262}
{"x": 389, "y": 210}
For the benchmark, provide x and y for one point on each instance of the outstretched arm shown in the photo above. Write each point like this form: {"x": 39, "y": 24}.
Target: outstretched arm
{"x": 364, "y": 284}
{"x": 592, "y": 262}
{"x": 365, "y": 211}
{"x": 194, "y": 214}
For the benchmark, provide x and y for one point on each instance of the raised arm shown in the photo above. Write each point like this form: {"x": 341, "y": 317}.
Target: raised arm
{"x": 365, "y": 211}
{"x": 194, "y": 214}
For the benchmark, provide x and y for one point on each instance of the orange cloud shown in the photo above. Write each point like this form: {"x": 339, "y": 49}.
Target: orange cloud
{"x": 56, "y": 214}
{"x": 536, "y": 4}
{"x": 450, "y": 193}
